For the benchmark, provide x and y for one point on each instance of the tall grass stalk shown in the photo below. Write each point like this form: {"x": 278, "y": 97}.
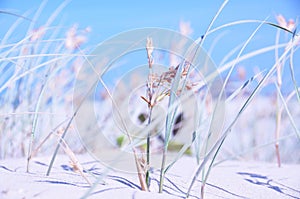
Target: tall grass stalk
{"x": 220, "y": 96}
{"x": 287, "y": 111}
{"x": 169, "y": 124}
{"x": 278, "y": 84}
{"x": 77, "y": 167}
{"x": 29, "y": 60}
{"x": 52, "y": 70}
{"x": 138, "y": 163}
{"x": 41, "y": 60}
{"x": 252, "y": 149}
{"x": 216, "y": 147}
{"x": 35, "y": 120}
{"x": 150, "y": 93}
{"x": 47, "y": 138}
{"x": 64, "y": 134}
{"x": 291, "y": 65}
{"x": 173, "y": 91}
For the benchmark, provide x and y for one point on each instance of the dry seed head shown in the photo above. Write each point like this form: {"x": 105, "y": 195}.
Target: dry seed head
{"x": 143, "y": 164}
{"x": 149, "y": 48}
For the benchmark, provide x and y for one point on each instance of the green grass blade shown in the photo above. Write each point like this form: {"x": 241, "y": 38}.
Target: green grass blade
{"x": 230, "y": 53}
{"x": 292, "y": 72}
{"x": 16, "y": 15}
{"x": 245, "y": 22}
{"x": 288, "y": 112}
{"x": 212, "y": 133}
{"x": 67, "y": 128}
{"x": 207, "y": 32}
{"x": 238, "y": 56}
{"x": 255, "y": 149}
{"x": 35, "y": 119}
{"x": 240, "y": 89}
{"x": 179, "y": 154}
{"x": 249, "y": 99}
{"x": 169, "y": 123}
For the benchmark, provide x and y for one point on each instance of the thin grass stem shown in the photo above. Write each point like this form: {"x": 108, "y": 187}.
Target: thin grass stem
{"x": 220, "y": 141}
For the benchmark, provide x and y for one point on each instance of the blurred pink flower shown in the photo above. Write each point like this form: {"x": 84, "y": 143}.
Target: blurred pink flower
{"x": 185, "y": 28}
{"x": 37, "y": 33}
{"x": 242, "y": 73}
{"x": 291, "y": 25}
{"x": 73, "y": 40}
{"x": 283, "y": 23}
{"x": 87, "y": 29}
{"x": 76, "y": 64}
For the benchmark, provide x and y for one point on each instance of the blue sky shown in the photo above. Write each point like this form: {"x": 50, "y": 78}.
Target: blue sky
{"x": 112, "y": 17}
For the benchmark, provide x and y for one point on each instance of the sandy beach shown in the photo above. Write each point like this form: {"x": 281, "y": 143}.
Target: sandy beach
{"x": 231, "y": 179}
{"x": 177, "y": 91}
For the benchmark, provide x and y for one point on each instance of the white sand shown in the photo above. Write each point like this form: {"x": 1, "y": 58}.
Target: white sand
{"x": 230, "y": 179}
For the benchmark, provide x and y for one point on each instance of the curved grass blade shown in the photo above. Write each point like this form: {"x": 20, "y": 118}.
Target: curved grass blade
{"x": 288, "y": 112}
{"x": 292, "y": 72}
{"x": 169, "y": 123}
{"x": 240, "y": 89}
{"x": 12, "y": 29}
{"x": 210, "y": 135}
{"x": 208, "y": 30}
{"x": 16, "y": 15}
{"x": 66, "y": 129}
{"x": 245, "y": 22}
{"x": 220, "y": 141}
{"x": 173, "y": 91}
{"x": 35, "y": 119}
{"x": 254, "y": 149}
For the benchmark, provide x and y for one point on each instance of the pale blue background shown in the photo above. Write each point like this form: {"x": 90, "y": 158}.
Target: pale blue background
{"x": 114, "y": 16}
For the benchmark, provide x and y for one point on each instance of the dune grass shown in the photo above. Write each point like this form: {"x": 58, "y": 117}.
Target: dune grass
{"x": 38, "y": 73}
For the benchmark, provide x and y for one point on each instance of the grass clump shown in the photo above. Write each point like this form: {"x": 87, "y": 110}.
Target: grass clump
{"x": 48, "y": 66}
